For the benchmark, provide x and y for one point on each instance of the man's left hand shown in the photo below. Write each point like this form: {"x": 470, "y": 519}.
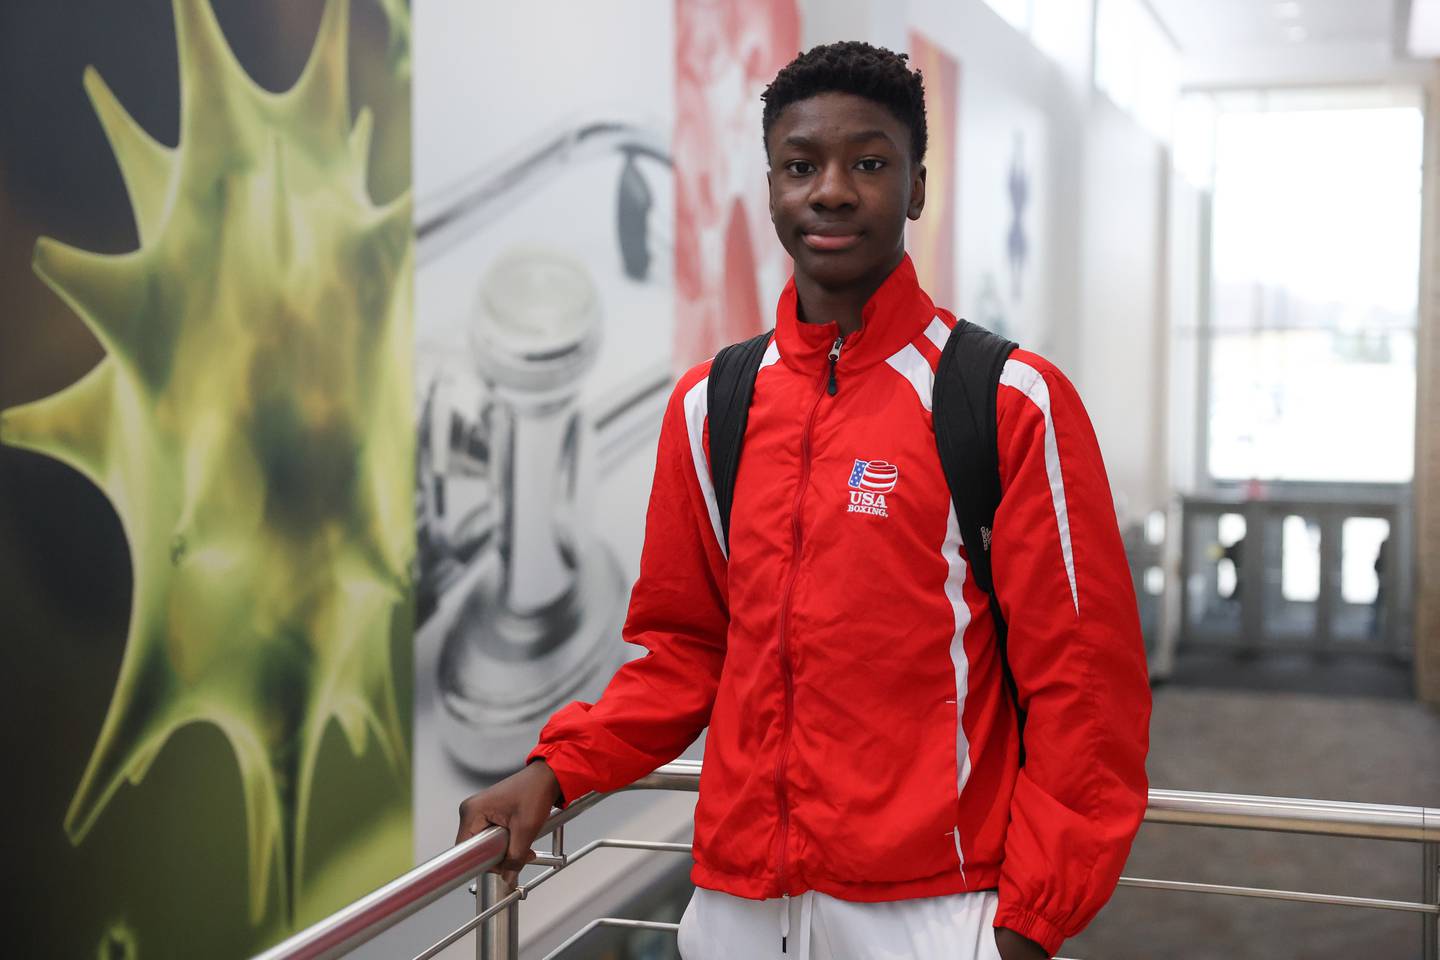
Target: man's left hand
{"x": 1012, "y": 946}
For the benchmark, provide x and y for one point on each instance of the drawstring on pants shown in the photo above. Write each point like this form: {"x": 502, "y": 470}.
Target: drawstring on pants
{"x": 784, "y": 920}
{"x": 807, "y": 903}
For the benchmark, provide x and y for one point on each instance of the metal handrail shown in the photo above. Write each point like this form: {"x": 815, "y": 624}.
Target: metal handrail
{"x": 1333, "y": 818}
{"x": 376, "y": 912}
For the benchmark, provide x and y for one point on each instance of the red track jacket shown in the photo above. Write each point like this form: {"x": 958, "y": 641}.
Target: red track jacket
{"x": 862, "y": 741}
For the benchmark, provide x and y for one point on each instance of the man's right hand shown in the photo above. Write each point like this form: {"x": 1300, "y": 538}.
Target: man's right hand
{"x": 520, "y": 803}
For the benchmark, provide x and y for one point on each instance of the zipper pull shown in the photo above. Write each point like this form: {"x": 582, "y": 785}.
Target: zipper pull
{"x": 834, "y": 358}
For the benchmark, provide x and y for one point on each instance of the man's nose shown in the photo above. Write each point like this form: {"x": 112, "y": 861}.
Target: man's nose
{"x": 832, "y": 188}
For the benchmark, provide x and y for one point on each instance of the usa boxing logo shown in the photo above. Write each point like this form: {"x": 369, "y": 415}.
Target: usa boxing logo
{"x": 869, "y": 481}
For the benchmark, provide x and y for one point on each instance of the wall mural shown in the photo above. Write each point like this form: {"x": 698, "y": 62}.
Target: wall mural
{"x": 1005, "y": 228}
{"x": 249, "y": 424}
{"x": 931, "y": 239}
{"x": 543, "y": 352}
{"x": 580, "y": 240}
{"x": 729, "y": 267}
{"x": 1017, "y": 242}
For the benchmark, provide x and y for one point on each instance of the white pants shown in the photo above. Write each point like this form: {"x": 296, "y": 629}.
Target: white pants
{"x": 717, "y": 926}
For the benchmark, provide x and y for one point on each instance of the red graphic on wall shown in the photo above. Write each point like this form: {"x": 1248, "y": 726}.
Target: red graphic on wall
{"x": 726, "y": 51}
{"x": 931, "y": 239}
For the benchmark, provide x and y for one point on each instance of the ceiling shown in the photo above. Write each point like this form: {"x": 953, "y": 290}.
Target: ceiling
{"x": 1226, "y": 43}
{"x": 1216, "y": 27}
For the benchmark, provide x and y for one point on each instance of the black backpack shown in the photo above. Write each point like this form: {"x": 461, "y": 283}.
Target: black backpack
{"x": 962, "y": 410}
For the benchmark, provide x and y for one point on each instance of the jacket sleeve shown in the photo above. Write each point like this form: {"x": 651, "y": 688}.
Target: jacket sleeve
{"x": 1077, "y": 656}
{"x": 655, "y": 706}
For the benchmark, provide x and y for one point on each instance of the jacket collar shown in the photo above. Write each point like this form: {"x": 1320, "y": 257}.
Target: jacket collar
{"x": 895, "y": 314}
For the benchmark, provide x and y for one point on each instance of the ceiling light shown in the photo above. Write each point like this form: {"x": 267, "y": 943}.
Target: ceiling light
{"x": 1288, "y": 10}
{"x": 1296, "y": 33}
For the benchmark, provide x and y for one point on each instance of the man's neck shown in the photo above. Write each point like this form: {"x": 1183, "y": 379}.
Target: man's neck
{"x": 843, "y": 306}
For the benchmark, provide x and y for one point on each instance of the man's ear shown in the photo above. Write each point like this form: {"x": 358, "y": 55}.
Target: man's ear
{"x": 917, "y": 193}
{"x": 770, "y": 191}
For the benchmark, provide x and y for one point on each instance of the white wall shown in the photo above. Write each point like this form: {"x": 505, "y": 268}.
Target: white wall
{"x": 1188, "y": 282}
{"x": 1121, "y": 322}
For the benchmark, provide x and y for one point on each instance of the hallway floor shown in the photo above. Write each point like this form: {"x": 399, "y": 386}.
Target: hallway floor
{"x": 1369, "y": 749}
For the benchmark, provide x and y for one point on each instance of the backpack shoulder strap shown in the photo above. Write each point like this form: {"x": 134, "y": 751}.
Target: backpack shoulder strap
{"x": 732, "y": 382}
{"x": 963, "y": 412}
{"x": 963, "y": 409}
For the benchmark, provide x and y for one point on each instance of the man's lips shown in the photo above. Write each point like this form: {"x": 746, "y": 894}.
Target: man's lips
{"x": 830, "y": 240}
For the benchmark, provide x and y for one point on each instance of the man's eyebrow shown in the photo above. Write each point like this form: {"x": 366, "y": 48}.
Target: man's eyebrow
{"x": 865, "y": 135}
{"x": 862, "y": 136}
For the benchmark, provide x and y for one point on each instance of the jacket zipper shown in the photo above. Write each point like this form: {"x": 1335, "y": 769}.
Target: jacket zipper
{"x": 827, "y": 384}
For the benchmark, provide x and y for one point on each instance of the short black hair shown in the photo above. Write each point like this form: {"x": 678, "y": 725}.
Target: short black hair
{"x": 851, "y": 66}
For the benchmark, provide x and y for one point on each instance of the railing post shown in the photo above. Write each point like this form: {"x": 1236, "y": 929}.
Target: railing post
{"x": 498, "y": 937}
{"x": 1430, "y": 893}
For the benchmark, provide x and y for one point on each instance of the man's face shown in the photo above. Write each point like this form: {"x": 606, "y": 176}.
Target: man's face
{"x": 841, "y": 187}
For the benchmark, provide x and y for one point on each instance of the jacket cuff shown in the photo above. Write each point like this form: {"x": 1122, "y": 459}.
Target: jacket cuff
{"x": 1031, "y": 926}
{"x": 571, "y": 788}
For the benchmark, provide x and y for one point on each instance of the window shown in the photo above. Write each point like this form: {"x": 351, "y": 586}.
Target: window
{"x": 1194, "y": 143}
{"x": 1014, "y": 12}
{"x": 1059, "y": 28}
{"x": 1363, "y": 543}
{"x": 1231, "y": 539}
{"x": 1315, "y": 294}
{"x": 1300, "y": 559}
{"x": 1136, "y": 65}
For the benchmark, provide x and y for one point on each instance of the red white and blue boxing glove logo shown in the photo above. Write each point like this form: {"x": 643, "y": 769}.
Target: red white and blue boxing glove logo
{"x": 869, "y": 481}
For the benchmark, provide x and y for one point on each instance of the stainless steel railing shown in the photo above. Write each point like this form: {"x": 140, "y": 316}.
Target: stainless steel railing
{"x": 497, "y": 907}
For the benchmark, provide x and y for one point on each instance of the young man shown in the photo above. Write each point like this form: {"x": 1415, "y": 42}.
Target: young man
{"x": 869, "y": 788}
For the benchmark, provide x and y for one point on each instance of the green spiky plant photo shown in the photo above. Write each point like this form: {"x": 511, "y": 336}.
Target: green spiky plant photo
{"x": 251, "y": 425}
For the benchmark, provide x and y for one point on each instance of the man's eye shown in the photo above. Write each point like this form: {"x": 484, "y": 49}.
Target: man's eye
{"x": 871, "y": 164}
{"x": 800, "y": 167}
